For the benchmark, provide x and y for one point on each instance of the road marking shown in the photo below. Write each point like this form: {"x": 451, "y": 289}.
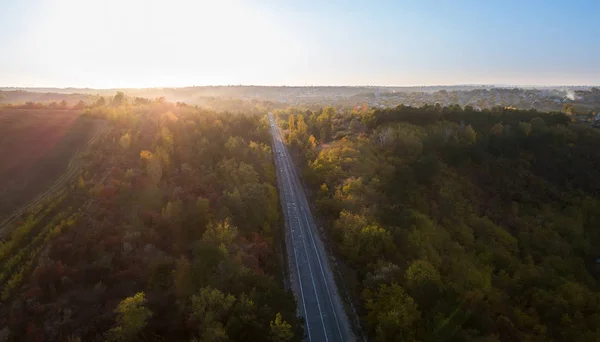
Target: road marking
{"x": 286, "y": 165}
{"x": 291, "y": 192}
{"x": 325, "y": 279}
{"x": 299, "y": 277}
{"x": 314, "y": 245}
{"x": 309, "y": 265}
{"x": 295, "y": 192}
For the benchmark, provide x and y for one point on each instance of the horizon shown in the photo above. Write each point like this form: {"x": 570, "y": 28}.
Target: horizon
{"x": 478, "y": 85}
{"x": 151, "y": 44}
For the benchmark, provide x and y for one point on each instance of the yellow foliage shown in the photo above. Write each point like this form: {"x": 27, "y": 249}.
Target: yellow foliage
{"x": 145, "y": 154}
{"x": 153, "y": 166}
{"x": 125, "y": 141}
{"x": 312, "y": 141}
{"x": 171, "y": 116}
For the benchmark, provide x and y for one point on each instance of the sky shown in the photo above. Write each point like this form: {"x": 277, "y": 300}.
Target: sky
{"x": 149, "y": 43}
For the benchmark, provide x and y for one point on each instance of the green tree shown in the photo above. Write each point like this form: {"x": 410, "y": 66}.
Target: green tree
{"x": 468, "y": 135}
{"x": 132, "y": 318}
{"x": 361, "y": 241}
{"x": 498, "y": 129}
{"x": 182, "y": 278}
{"x": 281, "y": 330}
{"x": 221, "y": 233}
{"x": 202, "y": 212}
{"x": 525, "y": 128}
{"x": 209, "y": 309}
{"x": 392, "y": 313}
{"x": 538, "y": 125}
{"x": 420, "y": 272}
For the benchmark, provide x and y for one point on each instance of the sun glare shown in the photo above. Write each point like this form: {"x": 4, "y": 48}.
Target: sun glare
{"x": 151, "y": 43}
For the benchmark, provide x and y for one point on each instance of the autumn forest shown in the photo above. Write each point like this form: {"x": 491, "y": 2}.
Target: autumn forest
{"x": 445, "y": 224}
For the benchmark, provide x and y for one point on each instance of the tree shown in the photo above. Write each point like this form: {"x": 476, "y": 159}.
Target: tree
{"x": 498, "y": 129}
{"x": 423, "y": 281}
{"x": 79, "y": 105}
{"x": 427, "y": 168}
{"x": 420, "y": 272}
{"x": 292, "y": 123}
{"x": 301, "y": 125}
{"x": 281, "y": 330}
{"x": 209, "y": 309}
{"x": 125, "y": 141}
{"x": 132, "y": 317}
{"x": 468, "y": 135}
{"x": 324, "y": 123}
{"x": 153, "y": 166}
{"x": 149, "y": 230}
{"x": 221, "y": 233}
{"x": 509, "y": 220}
{"x": 362, "y": 242}
{"x": 392, "y": 313}
{"x": 525, "y": 128}
{"x": 312, "y": 141}
{"x": 182, "y": 279}
{"x": 101, "y": 102}
{"x": 233, "y": 174}
{"x": 118, "y": 99}
{"x": 568, "y": 109}
{"x": 202, "y": 212}
{"x": 538, "y": 125}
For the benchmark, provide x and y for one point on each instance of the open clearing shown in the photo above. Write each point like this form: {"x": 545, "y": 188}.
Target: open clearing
{"x": 35, "y": 148}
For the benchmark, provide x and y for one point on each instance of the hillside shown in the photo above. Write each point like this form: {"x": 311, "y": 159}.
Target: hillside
{"x": 584, "y": 100}
{"x": 170, "y": 231}
{"x": 36, "y": 147}
{"x": 459, "y": 225}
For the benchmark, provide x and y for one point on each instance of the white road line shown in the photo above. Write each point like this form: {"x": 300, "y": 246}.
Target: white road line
{"x": 317, "y": 252}
{"x": 307, "y": 260}
{"x": 324, "y": 279}
{"x": 286, "y": 165}
{"x": 299, "y": 279}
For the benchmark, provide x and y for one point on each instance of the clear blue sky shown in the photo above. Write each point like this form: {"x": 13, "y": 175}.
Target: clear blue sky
{"x": 139, "y": 43}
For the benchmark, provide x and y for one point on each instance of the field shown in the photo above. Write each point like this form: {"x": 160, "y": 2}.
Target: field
{"x": 35, "y": 148}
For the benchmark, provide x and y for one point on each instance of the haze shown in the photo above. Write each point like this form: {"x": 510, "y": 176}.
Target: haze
{"x": 105, "y": 44}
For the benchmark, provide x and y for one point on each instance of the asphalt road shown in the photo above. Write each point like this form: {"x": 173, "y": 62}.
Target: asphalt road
{"x": 312, "y": 280}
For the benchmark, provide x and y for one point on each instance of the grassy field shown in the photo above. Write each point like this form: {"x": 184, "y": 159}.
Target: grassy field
{"x": 35, "y": 148}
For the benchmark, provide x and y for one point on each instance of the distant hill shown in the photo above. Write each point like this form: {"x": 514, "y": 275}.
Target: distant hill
{"x": 229, "y": 97}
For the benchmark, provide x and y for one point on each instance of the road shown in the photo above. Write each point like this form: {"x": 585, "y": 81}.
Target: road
{"x": 311, "y": 277}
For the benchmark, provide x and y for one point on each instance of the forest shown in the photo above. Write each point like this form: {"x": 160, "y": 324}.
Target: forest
{"x": 456, "y": 224}
{"x": 171, "y": 231}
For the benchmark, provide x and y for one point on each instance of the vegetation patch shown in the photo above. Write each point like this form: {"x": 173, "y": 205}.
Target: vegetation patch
{"x": 460, "y": 225}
